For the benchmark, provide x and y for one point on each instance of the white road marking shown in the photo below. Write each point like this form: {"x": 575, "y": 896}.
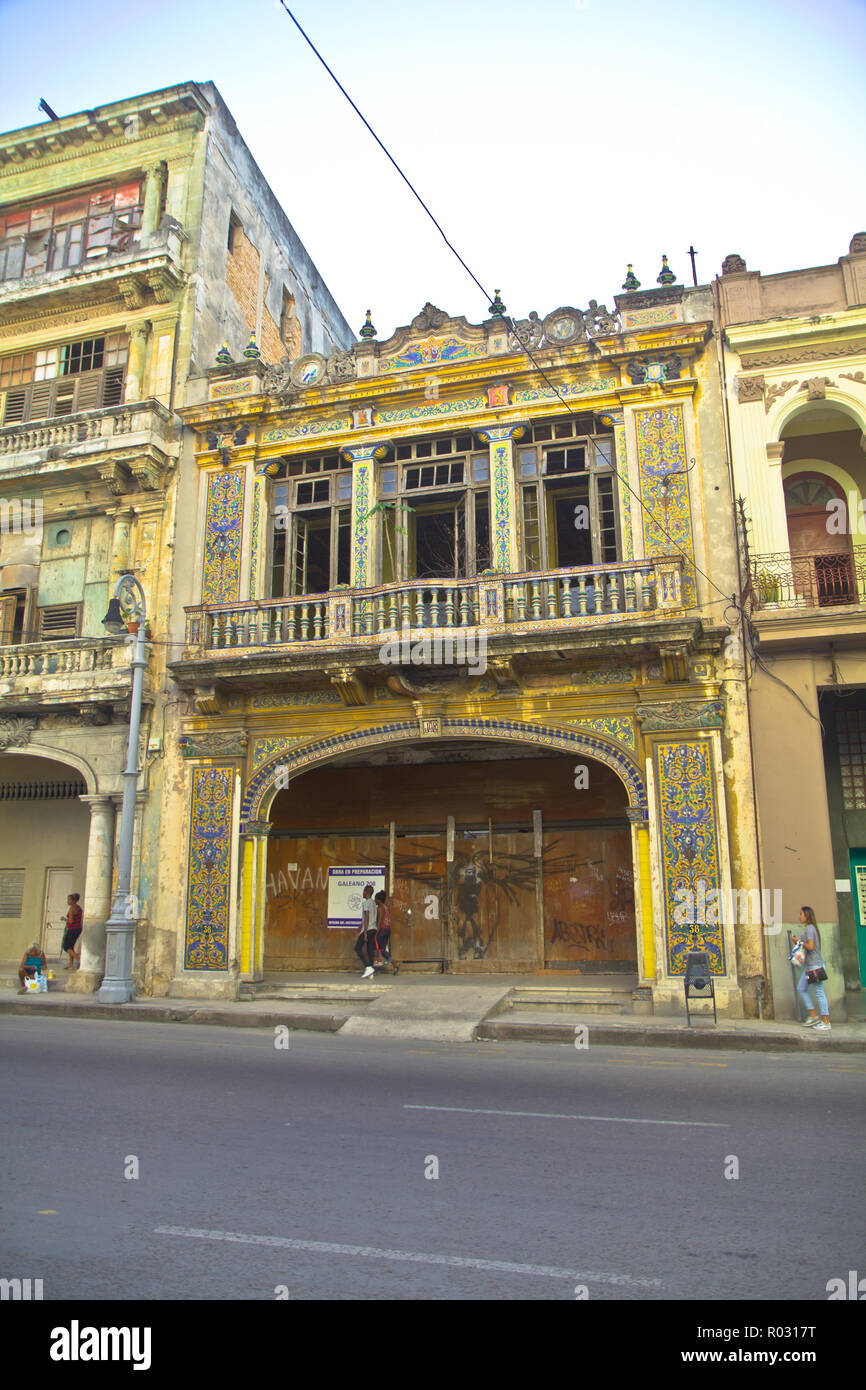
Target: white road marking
{"x": 539, "y": 1115}
{"x": 370, "y": 1252}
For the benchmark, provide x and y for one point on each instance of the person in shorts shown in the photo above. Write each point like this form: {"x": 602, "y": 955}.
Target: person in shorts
{"x": 73, "y": 930}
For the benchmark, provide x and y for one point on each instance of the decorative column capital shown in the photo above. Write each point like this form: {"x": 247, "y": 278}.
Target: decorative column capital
{"x": 253, "y": 828}
{"x": 365, "y": 453}
{"x": 638, "y": 816}
{"x": 500, "y": 434}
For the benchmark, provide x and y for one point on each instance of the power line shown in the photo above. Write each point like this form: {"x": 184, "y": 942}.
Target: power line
{"x": 507, "y": 320}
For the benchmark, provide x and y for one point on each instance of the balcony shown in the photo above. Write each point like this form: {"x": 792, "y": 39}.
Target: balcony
{"x": 805, "y": 601}
{"x": 822, "y": 580}
{"x": 141, "y": 269}
{"x": 89, "y": 671}
{"x": 632, "y": 604}
{"x": 113, "y": 443}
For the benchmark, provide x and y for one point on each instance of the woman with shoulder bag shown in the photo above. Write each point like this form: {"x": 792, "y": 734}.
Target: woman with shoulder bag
{"x": 814, "y": 973}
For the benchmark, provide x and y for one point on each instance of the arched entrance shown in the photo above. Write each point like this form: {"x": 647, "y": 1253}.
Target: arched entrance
{"x": 499, "y": 856}
{"x": 44, "y": 831}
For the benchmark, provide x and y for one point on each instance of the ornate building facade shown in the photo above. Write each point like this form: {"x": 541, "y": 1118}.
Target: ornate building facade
{"x": 133, "y": 239}
{"x": 459, "y": 617}
{"x": 795, "y": 372}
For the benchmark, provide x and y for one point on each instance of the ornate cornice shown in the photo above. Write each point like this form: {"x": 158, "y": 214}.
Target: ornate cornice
{"x": 681, "y": 714}
{"x": 783, "y": 357}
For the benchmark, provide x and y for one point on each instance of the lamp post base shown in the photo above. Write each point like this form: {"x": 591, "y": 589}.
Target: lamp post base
{"x": 118, "y": 986}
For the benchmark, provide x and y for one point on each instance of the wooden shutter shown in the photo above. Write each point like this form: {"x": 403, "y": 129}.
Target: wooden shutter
{"x": 7, "y": 620}
{"x": 16, "y": 407}
{"x": 40, "y": 401}
{"x": 59, "y": 621}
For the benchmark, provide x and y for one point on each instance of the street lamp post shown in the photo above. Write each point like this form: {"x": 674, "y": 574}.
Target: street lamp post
{"x": 127, "y": 605}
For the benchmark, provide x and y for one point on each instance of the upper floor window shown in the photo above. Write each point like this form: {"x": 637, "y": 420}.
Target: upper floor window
{"x": 61, "y": 380}
{"x": 566, "y": 479}
{"x": 69, "y": 231}
{"x": 311, "y": 525}
{"x": 435, "y": 521}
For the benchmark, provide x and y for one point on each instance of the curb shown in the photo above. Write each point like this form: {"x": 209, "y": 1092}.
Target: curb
{"x": 313, "y": 1023}
{"x": 606, "y": 1035}
{"x": 493, "y": 1030}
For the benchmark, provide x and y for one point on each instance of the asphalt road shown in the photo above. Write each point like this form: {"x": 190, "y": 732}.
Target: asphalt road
{"x": 302, "y": 1170}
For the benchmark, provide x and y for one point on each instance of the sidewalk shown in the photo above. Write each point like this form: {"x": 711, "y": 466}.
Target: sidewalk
{"x": 448, "y": 1008}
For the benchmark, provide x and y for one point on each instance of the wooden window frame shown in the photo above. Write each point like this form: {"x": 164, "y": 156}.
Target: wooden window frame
{"x": 67, "y": 391}
{"x": 116, "y": 237}
{"x": 544, "y": 485}
{"x": 292, "y": 475}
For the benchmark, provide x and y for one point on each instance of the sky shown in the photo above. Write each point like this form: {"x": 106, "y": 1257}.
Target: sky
{"x": 554, "y": 140}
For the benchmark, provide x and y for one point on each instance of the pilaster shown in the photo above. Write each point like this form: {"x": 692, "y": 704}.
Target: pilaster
{"x": 504, "y": 524}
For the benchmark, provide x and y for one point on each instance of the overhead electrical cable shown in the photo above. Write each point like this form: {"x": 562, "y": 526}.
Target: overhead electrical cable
{"x": 729, "y": 598}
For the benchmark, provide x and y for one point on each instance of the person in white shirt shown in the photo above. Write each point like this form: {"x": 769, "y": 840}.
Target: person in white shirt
{"x": 365, "y": 946}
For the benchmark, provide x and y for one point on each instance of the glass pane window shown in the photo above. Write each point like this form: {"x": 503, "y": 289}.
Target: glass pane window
{"x": 46, "y": 364}
{"x": 16, "y": 370}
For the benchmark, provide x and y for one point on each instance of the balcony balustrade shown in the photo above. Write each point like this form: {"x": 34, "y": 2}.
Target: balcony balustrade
{"x": 822, "y": 580}
{"x": 67, "y": 670}
{"x": 495, "y": 602}
{"x": 110, "y": 443}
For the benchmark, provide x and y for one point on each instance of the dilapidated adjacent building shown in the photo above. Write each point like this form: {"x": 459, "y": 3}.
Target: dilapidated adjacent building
{"x": 795, "y": 374}
{"x": 134, "y": 239}
{"x": 460, "y": 619}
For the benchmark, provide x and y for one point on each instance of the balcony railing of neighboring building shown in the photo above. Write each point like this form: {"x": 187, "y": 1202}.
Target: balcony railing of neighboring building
{"x": 63, "y": 657}
{"x": 824, "y": 580}
{"x": 138, "y": 417}
{"x": 569, "y": 596}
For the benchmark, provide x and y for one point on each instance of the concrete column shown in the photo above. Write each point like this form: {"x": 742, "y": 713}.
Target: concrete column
{"x": 97, "y": 895}
{"x": 135, "y": 367}
{"x": 120, "y": 542}
{"x": 643, "y": 895}
{"x": 254, "y": 854}
{"x": 503, "y": 497}
{"x": 152, "y": 199}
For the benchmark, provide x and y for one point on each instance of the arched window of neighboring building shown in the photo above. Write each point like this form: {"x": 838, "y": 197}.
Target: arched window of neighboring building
{"x": 820, "y": 540}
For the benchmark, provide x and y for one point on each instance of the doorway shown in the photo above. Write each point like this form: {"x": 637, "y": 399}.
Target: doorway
{"x": 58, "y": 886}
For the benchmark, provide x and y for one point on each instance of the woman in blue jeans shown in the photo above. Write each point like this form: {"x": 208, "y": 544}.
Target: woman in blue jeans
{"x": 811, "y": 940}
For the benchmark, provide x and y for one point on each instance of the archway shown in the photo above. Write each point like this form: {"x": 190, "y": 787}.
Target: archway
{"x": 824, "y": 478}
{"x": 500, "y": 856}
{"x": 44, "y": 829}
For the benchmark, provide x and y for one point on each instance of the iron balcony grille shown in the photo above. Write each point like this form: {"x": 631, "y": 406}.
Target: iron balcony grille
{"x": 824, "y": 580}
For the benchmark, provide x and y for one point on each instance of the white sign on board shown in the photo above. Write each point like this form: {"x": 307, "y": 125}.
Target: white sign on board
{"x": 346, "y": 886}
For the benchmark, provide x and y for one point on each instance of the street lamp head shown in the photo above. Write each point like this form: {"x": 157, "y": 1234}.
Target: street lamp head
{"x": 113, "y": 620}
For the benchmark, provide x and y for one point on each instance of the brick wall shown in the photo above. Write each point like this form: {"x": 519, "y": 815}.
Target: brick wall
{"x": 242, "y": 278}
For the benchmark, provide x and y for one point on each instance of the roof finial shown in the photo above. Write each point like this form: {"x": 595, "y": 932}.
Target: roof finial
{"x": 631, "y": 281}
{"x": 368, "y": 331}
{"x": 665, "y": 275}
{"x": 497, "y": 307}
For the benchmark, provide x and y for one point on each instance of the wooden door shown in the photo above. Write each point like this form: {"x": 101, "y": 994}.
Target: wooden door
{"x": 58, "y": 886}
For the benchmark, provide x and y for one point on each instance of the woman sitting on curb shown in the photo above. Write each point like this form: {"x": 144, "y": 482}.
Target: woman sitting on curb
{"x": 32, "y": 964}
